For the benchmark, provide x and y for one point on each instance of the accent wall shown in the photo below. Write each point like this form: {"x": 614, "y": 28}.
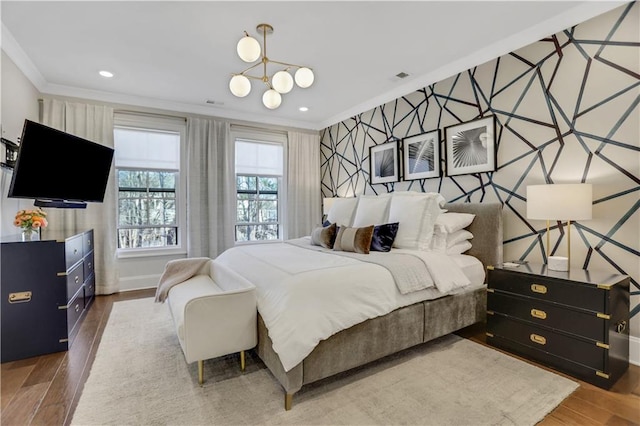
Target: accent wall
{"x": 566, "y": 110}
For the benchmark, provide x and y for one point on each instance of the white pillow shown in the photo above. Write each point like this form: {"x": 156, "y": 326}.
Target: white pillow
{"x": 416, "y": 214}
{"x": 442, "y": 240}
{"x": 371, "y": 210}
{"x": 458, "y": 237}
{"x": 459, "y": 248}
{"x": 452, "y": 222}
{"x": 342, "y": 210}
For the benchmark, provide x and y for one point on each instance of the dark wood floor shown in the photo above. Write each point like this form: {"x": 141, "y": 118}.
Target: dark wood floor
{"x": 45, "y": 390}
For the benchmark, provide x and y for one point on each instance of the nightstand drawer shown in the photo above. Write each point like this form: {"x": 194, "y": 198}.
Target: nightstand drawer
{"x": 581, "y": 323}
{"x": 560, "y": 345}
{"x": 565, "y": 292}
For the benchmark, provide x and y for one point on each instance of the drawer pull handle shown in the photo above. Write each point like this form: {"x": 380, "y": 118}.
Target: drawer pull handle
{"x": 536, "y": 338}
{"x": 538, "y": 288}
{"x": 77, "y": 307}
{"x": 77, "y": 279}
{"x": 20, "y": 297}
{"x": 89, "y": 243}
{"x": 536, "y": 313}
{"x": 89, "y": 264}
{"x": 621, "y": 326}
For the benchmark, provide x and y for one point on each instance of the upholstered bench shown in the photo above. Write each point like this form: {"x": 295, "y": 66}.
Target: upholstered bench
{"x": 213, "y": 320}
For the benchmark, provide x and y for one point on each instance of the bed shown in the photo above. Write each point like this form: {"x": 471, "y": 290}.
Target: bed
{"x": 312, "y": 337}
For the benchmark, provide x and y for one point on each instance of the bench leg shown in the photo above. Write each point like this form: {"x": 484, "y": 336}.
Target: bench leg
{"x": 200, "y": 371}
{"x": 242, "y": 360}
{"x": 288, "y": 401}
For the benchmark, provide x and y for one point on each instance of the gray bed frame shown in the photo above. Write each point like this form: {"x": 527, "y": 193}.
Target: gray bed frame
{"x": 400, "y": 329}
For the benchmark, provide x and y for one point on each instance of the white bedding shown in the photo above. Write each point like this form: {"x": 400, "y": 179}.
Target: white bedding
{"x": 305, "y": 296}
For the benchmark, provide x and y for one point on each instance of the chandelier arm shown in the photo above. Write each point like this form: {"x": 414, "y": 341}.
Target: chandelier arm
{"x": 247, "y": 69}
{"x": 288, "y": 64}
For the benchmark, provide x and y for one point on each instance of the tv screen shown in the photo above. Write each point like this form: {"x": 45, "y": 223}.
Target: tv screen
{"x": 55, "y": 166}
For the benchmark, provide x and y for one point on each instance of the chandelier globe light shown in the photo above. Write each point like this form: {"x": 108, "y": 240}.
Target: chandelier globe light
{"x": 240, "y": 86}
{"x": 250, "y": 50}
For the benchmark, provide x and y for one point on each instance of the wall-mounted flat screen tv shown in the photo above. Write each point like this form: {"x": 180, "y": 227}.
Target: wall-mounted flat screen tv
{"x": 58, "y": 169}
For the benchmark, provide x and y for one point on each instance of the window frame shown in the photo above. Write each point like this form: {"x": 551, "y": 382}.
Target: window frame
{"x": 157, "y": 124}
{"x": 263, "y": 137}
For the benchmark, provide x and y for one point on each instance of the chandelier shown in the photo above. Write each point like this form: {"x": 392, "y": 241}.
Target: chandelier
{"x": 281, "y": 82}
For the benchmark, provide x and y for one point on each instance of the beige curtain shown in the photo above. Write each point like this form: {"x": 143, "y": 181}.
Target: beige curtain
{"x": 303, "y": 184}
{"x": 95, "y": 123}
{"x": 210, "y": 187}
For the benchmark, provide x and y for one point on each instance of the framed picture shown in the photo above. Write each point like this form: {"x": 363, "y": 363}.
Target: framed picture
{"x": 471, "y": 147}
{"x": 421, "y": 156}
{"x": 383, "y": 163}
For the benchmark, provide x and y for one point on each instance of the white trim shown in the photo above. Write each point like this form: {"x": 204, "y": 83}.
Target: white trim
{"x": 140, "y": 282}
{"x": 634, "y": 350}
{"x": 20, "y": 58}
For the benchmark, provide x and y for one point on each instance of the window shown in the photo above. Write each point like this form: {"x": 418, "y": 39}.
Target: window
{"x": 147, "y": 160}
{"x": 259, "y": 189}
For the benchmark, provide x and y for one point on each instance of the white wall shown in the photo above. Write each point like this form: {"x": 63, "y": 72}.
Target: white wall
{"x": 19, "y": 102}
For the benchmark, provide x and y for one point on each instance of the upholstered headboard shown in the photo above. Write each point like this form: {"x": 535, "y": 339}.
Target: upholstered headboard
{"x": 486, "y": 229}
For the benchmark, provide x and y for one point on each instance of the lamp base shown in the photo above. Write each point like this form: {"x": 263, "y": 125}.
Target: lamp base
{"x": 558, "y": 263}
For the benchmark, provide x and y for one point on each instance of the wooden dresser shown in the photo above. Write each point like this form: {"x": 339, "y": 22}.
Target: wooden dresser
{"x": 576, "y": 322}
{"x": 47, "y": 288}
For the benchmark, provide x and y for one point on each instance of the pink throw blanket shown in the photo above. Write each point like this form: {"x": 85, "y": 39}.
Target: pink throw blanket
{"x": 176, "y": 272}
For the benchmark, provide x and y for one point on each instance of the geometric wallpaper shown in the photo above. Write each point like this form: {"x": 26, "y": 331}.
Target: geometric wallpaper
{"x": 567, "y": 111}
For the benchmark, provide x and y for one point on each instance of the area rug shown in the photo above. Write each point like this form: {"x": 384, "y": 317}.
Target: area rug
{"x": 140, "y": 377}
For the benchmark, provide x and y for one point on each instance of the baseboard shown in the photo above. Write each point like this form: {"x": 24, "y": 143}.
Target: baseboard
{"x": 634, "y": 350}
{"x": 140, "y": 282}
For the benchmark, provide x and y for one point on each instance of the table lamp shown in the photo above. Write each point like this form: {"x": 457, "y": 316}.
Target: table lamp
{"x": 559, "y": 202}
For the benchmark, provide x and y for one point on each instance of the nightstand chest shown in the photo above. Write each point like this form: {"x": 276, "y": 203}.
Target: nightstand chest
{"x": 576, "y": 322}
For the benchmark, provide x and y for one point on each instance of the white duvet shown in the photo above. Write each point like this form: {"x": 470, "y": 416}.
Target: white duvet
{"x": 305, "y": 296}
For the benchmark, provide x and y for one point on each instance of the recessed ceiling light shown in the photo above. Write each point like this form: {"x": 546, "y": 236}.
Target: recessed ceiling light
{"x": 106, "y": 74}
{"x": 303, "y": 109}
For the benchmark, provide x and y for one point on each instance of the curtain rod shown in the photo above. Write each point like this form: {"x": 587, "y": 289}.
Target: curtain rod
{"x": 149, "y": 114}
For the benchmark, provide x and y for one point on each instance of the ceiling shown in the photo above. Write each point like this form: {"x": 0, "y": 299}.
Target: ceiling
{"x": 177, "y": 55}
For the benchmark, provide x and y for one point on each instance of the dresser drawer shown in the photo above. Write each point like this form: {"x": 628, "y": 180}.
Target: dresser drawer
{"x": 88, "y": 264}
{"x": 73, "y": 250}
{"x": 74, "y": 311}
{"x": 564, "y": 292}
{"x": 560, "y": 345}
{"x": 581, "y": 323}
{"x": 75, "y": 279}
{"x": 87, "y": 242}
{"x": 89, "y": 290}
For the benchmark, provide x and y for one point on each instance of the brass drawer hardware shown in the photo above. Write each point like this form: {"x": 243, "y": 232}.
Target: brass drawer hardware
{"x": 536, "y": 338}
{"x": 20, "y": 297}
{"x": 538, "y": 288}
{"x": 601, "y": 374}
{"x": 536, "y": 313}
{"x": 602, "y": 345}
{"x": 490, "y": 268}
{"x": 604, "y": 286}
{"x": 490, "y": 290}
{"x": 490, "y": 312}
{"x": 603, "y": 316}
{"x": 489, "y": 334}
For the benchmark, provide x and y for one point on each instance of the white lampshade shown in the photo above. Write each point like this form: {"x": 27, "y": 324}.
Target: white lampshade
{"x": 248, "y": 49}
{"x": 271, "y": 99}
{"x": 304, "y": 77}
{"x": 282, "y": 82}
{"x": 240, "y": 86}
{"x": 560, "y": 201}
{"x": 326, "y": 204}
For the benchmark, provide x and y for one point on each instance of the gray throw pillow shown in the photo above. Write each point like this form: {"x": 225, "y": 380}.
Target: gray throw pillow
{"x": 354, "y": 239}
{"x": 324, "y": 236}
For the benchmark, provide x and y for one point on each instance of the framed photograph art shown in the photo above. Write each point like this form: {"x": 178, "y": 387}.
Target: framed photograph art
{"x": 471, "y": 147}
{"x": 421, "y": 156}
{"x": 383, "y": 163}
